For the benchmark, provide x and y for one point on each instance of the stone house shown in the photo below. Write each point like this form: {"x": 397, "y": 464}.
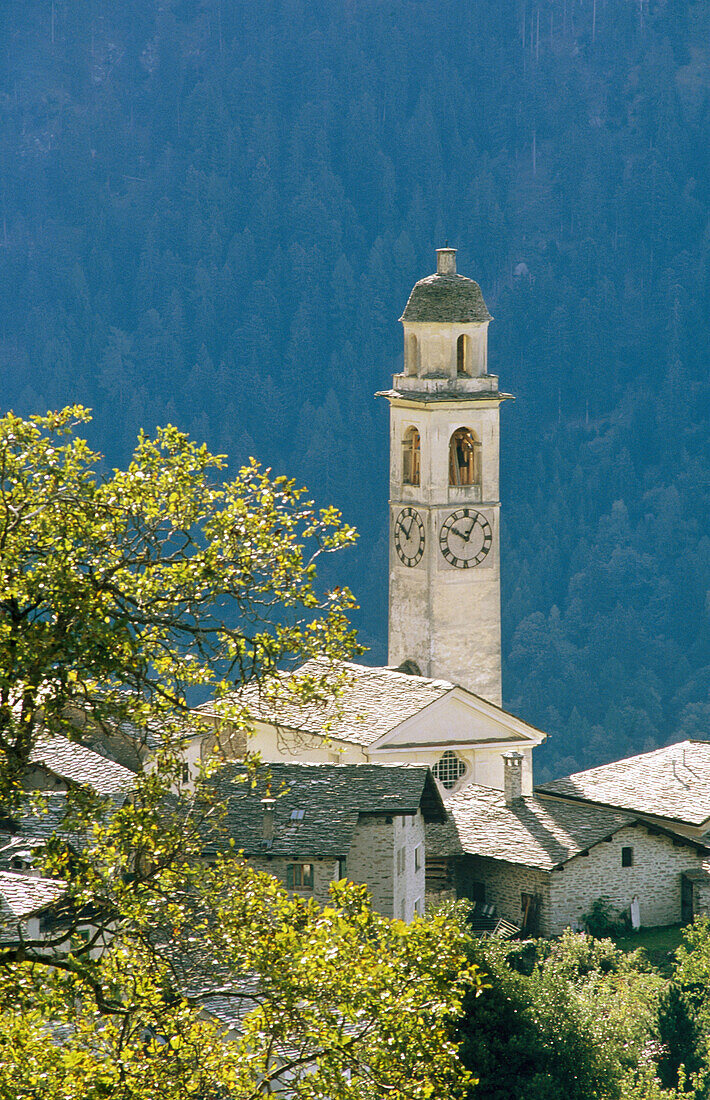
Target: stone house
{"x": 312, "y": 824}
{"x": 543, "y": 862}
{"x": 57, "y": 764}
{"x": 668, "y": 788}
{"x": 25, "y": 903}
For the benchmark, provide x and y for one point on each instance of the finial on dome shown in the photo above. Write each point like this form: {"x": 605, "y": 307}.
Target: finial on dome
{"x": 446, "y": 261}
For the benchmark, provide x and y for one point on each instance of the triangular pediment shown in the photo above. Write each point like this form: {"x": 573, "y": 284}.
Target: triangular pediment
{"x": 459, "y": 719}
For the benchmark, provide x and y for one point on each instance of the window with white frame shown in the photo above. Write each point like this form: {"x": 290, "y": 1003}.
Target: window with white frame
{"x": 449, "y": 769}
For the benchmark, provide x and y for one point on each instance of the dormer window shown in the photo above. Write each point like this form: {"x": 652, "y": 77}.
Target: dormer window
{"x": 464, "y": 458}
{"x": 449, "y": 769}
{"x": 411, "y": 451}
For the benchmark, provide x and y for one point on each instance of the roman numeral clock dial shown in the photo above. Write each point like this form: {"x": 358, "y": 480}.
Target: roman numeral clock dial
{"x": 465, "y": 538}
{"x": 409, "y": 537}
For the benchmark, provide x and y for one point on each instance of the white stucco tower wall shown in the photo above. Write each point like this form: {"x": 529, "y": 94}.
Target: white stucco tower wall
{"x": 444, "y": 558}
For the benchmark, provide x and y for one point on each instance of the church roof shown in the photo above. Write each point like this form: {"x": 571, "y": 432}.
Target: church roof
{"x": 446, "y": 298}
{"x": 531, "y": 831}
{"x": 672, "y": 783}
{"x": 372, "y": 702}
{"x": 317, "y": 806}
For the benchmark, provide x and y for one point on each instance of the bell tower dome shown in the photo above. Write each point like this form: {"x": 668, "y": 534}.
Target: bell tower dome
{"x": 444, "y": 574}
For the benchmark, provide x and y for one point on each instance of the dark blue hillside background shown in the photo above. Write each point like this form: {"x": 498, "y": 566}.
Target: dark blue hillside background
{"x": 212, "y": 212}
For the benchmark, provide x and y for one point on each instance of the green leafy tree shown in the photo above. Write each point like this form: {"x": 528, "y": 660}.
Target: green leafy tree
{"x": 573, "y": 1018}
{"x": 118, "y": 596}
{"x": 684, "y": 1015}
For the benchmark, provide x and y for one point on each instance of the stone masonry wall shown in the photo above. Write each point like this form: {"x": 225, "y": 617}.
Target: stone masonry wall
{"x": 505, "y": 884}
{"x": 325, "y": 871}
{"x": 371, "y": 859}
{"x": 409, "y": 879}
{"x": 654, "y": 876}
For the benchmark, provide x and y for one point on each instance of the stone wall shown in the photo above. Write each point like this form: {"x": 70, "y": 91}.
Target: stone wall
{"x": 382, "y": 855}
{"x": 371, "y": 859}
{"x": 325, "y": 871}
{"x": 654, "y": 876}
{"x": 410, "y": 871}
{"x": 505, "y": 884}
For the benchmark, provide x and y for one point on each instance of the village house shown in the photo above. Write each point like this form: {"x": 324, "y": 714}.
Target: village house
{"x": 27, "y": 903}
{"x": 667, "y": 788}
{"x": 313, "y": 824}
{"x": 542, "y": 863}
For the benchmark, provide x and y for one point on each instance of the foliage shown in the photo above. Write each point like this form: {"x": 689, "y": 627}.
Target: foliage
{"x": 250, "y": 991}
{"x": 578, "y": 1023}
{"x": 604, "y": 919}
{"x": 120, "y": 594}
{"x": 194, "y": 978}
{"x": 684, "y": 1016}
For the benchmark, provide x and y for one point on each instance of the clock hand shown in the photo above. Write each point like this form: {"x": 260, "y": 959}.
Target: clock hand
{"x": 460, "y": 534}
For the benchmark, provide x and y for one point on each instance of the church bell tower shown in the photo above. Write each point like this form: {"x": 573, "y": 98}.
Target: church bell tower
{"x": 444, "y": 562}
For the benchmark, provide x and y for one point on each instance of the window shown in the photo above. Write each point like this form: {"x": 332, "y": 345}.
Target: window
{"x": 464, "y": 458}
{"x": 411, "y": 451}
{"x": 627, "y": 857}
{"x": 418, "y": 857}
{"x": 186, "y": 773}
{"x": 463, "y": 355}
{"x": 297, "y": 815}
{"x": 342, "y": 868}
{"x": 299, "y": 876}
{"x": 401, "y": 860}
{"x": 411, "y": 356}
{"x": 419, "y": 907}
{"x": 449, "y": 769}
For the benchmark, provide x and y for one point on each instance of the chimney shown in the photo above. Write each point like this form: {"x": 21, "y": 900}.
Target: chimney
{"x": 268, "y": 822}
{"x": 512, "y": 776}
{"x": 446, "y": 261}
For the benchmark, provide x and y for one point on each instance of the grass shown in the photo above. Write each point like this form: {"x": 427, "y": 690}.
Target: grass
{"x": 658, "y": 943}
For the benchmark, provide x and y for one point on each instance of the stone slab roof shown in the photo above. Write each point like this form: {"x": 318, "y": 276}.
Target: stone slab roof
{"x": 317, "y": 806}
{"x": 23, "y": 895}
{"x": 446, "y": 298}
{"x": 373, "y": 702}
{"x": 531, "y": 831}
{"x": 80, "y": 765}
{"x": 671, "y": 783}
{"x": 427, "y": 397}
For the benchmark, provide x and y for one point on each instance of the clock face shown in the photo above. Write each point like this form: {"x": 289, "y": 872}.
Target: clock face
{"x": 465, "y": 538}
{"x": 409, "y": 536}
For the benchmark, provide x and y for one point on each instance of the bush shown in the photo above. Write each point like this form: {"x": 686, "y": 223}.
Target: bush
{"x": 604, "y": 920}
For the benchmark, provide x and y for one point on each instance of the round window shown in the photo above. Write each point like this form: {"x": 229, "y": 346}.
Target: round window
{"x": 449, "y": 769}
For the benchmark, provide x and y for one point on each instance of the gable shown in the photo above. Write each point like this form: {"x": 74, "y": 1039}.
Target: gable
{"x": 459, "y": 719}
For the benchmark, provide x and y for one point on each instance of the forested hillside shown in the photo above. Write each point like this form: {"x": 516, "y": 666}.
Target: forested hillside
{"x": 212, "y": 212}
